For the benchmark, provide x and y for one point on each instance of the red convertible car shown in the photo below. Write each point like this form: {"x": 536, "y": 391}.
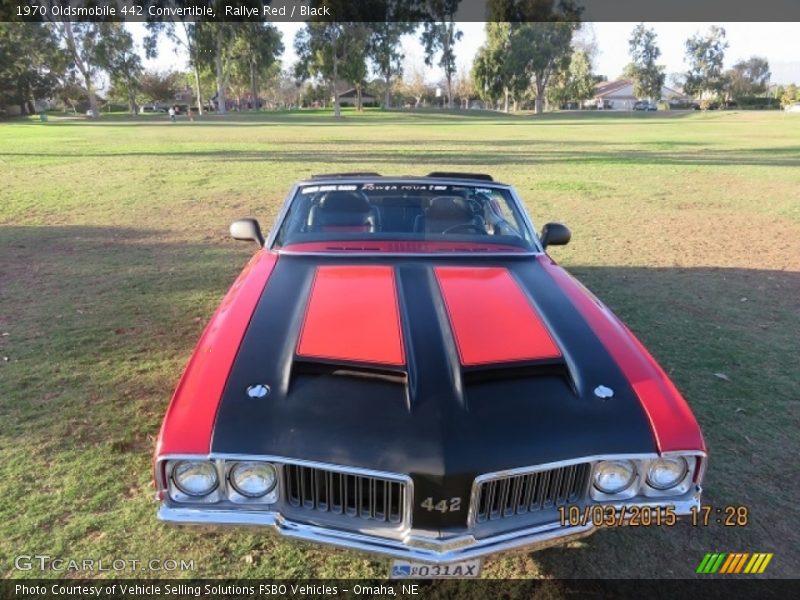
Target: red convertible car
{"x": 402, "y": 369}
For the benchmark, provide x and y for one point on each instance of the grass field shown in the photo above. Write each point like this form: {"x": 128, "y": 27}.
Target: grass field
{"x": 114, "y": 252}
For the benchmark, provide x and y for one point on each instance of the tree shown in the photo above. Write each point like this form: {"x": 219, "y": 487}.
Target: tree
{"x": 414, "y": 85}
{"x": 210, "y": 45}
{"x": 215, "y": 42}
{"x": 789, "y": 95}
{"x": 463, "y": 88}
{"x": 159, "y": 87}
{"x": 385, "y": 53}
{"x": 280, "y": 88}
{"x": 490, "y": 70}
{"x": 354, "y": 67}
{"x": 116, "y": 52}
{"x": 92, "y": 48}
{"x": 575, "y": 84}
{"x": 184, "y": 34}
{"x": 439, "y": 36}
{"x": 677, "y": 80}
{"x": 319, "y": 52}
{"x": 705, "y": 55}
{"x": 747, "y": 78}
{"x": 81, "y": 41}
{"x": 329, "y": 50}
{"x": 648, "y": 77}
{"x": 547, "y": 52}
{"x": 540, "y": 39}
{"x": 29, "y": 64}
{"x": 256, "y": 48}
{"x": 69, "y": 90}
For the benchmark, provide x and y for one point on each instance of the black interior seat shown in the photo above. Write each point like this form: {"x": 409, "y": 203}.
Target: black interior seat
{"x": 399, "y": 213}
{"x": 448, "y": 212}
{"x": 344, "y": 212}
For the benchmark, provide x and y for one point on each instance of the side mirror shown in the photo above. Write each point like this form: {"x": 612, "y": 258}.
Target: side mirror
{"x": 555, "y": 234}
{"x": 247, "y": 230}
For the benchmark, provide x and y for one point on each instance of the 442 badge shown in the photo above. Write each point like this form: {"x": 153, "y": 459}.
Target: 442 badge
{"x": 402, "y": 569}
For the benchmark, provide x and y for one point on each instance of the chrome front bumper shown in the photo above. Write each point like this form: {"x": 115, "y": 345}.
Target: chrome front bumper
{"x": 416, "y": 548}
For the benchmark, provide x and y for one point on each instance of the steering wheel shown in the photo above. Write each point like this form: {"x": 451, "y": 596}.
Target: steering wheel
{"x": 465, "y": 226}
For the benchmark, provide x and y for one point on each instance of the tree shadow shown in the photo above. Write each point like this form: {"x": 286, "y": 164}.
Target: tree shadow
{"x": 487, "y": 153}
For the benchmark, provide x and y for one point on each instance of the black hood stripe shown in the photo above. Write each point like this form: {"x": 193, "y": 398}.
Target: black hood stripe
{"x": 438, "y": 424}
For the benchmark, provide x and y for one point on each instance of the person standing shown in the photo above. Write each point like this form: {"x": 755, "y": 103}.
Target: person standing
{"x": 172, "y": 113}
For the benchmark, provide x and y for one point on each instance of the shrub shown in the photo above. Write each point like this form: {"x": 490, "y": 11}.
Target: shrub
{"x": 758, "y": 103}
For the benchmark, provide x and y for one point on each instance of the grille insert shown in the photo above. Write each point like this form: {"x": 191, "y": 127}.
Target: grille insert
{"x": 337, "y": 493}
{"x": 522, "y": 494}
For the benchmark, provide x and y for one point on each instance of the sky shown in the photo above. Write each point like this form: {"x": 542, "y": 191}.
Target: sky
{"x": 775, "y": 41}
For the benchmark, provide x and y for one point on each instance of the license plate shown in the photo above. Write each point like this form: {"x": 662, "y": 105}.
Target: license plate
{"x": 403, "y": 569}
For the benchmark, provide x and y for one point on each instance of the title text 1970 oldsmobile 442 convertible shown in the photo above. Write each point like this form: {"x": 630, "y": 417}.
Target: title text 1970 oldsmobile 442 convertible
{"x": 402, "y": 369}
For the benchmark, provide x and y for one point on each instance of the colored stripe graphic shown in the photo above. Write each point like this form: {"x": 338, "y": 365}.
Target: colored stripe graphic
{"x": 741, "y": 562}
{"x": 764, "y": 564}
{"x": 703, "y": 563}
{"x": 758, "y": 563}
{"x": 491, "y": 318}
{"x": 353, "y": 315}
{"x": 732, "y": 558}
{"x": 717, "y": 563}
{"x": 731, "y": 563}
{"x": 190, "y": 418}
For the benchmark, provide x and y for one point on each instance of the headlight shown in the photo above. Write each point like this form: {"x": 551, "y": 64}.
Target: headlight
{"x": 614, "y": 476}
{"x": 667, "y": 472}
{"x": 195, "y": 478}
{"x": 253, "y": 479}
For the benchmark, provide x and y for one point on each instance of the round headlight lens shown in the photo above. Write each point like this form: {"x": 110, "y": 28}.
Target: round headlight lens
{"x": 195, "y": 478}
{"x": 667, "y": 472}
{"x": 614, "y": 476}
{"x": 253, "y": 479}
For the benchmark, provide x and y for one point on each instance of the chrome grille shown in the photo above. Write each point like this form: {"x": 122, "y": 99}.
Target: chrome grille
{"x": 521, "y": 494}
{"x": 348, "y": 494}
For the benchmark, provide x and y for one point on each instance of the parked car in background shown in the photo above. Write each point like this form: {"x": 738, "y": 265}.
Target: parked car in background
{"x": 402, "y": 369}
{"x": 645, "y": 105}
{"x": 793, "y": 108}
{"x": 151, "y": 108}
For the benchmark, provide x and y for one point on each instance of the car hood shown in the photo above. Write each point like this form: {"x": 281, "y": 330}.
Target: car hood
{"x": 382, "y": 373}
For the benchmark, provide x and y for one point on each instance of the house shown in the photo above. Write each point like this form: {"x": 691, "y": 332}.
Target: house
{"x": 618, "y": 95}
{"x": 350, "y": 98}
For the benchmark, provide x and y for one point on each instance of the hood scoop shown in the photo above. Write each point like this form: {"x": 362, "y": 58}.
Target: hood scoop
{"x": 329, "y": 368}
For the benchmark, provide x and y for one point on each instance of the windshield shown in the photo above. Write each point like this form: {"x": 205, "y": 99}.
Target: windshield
{"x": 403, "y": 217}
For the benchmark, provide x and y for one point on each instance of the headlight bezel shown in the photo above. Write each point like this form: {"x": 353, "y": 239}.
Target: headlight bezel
{"x": 224, "y": 493}
{"x": 627, "y": 491}
{"x": 680, "y": 461}
{"x": 235, "y": 494}
{"x": 641, "y": 487}
{"x": 683, "y": 486}
{"x": 178, "y": 493}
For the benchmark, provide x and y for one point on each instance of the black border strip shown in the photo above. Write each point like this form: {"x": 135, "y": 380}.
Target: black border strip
{"x": 396, "y": 10}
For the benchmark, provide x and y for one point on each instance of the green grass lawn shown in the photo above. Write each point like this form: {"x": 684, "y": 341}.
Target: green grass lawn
{"x": 114, "y": 252}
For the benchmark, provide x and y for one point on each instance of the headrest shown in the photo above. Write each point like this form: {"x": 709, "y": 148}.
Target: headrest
{"x": 448, "y": 208}
{"x": 344, "y": 202}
